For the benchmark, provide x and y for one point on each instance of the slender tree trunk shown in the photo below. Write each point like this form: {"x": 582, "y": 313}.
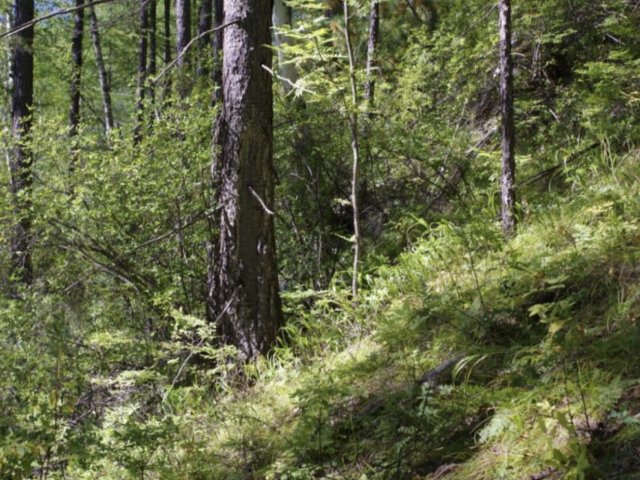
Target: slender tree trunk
{"x": 286, "y": 71}
{"x": 205, "y": 22}
{"x": 105, "y": 88}
{"x": 183, "y": 37}
{"x": 508, "y": 125}
{"x": 142, "y": 72}
{"x": 153, "y": 53}
{"x": 246, "y": 303}
{"x": 76, "y": 69}
{"x": 374, "y": 34}
{"x": 216, "y": 72}
{"x": 355, "y": 151}
{"x": 20, "y": 161}
{"x": 167, "y": 47}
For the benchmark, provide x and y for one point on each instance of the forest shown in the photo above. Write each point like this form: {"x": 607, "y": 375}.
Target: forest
{"x": 320, "y": 239}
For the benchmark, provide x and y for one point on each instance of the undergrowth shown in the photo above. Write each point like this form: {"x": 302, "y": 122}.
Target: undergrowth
{"x": 539, "y": 334}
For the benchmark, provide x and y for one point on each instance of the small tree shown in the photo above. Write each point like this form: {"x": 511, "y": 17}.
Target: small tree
{"x": 508, "y": 125}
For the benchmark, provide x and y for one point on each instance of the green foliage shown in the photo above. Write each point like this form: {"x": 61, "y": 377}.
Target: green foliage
{"x": 110, "y": 370}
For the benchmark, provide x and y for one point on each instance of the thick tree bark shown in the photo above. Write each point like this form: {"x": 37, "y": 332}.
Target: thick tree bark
{"x": 374, "y": 34}
{"x": 205, "y": 22}
{"x": 76, "y": 69}
{"x": 142, "y": 72}
{"x": 183, "y": 37}
{"x": 245, "y": 301}
{"x": 20, "y": 160}
{"x": 286, "y": 71}
{"x": 105, "y": 88}
{"x": 508, "y": 124}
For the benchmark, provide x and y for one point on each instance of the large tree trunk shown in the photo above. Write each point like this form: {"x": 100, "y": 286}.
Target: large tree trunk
{"x": 286, "y": 71}
{"x": 246, "y": 303}
{"x": 508, "y": 125}
{"x": 142, "y": 72}
{"x": 105, "y": 88}
{"x": 20, "y": 161}
{"x": 76, "y": 69}
{"x": 183, "y": 37}
{"x": 205, "y": 21}
{"x": 374, "y": 33}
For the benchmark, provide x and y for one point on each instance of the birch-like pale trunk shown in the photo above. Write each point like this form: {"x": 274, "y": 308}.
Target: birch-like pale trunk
{"x": 509, "y": 224}
{"x": 355, "y": 151}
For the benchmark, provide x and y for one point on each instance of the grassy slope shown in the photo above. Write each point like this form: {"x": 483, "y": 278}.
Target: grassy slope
{"x": 548, "y": 383}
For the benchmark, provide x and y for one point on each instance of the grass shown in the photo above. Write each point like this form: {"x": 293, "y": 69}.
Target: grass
{"x": 547, "y": 327}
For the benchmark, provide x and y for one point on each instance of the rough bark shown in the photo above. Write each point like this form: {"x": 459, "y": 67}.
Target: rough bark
{"x": 105, "y": 88}
{"x": 205, "y": 22}
{"x": 374, "y": 34}
{"x": 183, "y": 37}
{"x": 20, "y": 160}
{"x": 76, "y": 68}
{"x": 287, "y": 71}
{"x": 508, "y": 125}
{"x": 244, "y": 299}
{"x": 142, "y": 72}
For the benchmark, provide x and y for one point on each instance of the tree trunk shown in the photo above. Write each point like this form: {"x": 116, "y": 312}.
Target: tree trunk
{"x": 205, "y": 22}
{"x": 76, "y": 69}
{"x": 183, "y": 37}
{"x": 167, "y": 48}
{"x": 286, "y": 71}
{"x": 508, "y": 125}
{"x": 246, "y": 303}
{"x": 153, "y": 53}
{"x": 374, "y": 33}
{"x": 352, "y": 113}
{"x": 216, "y": 73}
{"x": 142, "y": 72}
{"x": 20, "y": 161}
{"x": 105, "y": 88}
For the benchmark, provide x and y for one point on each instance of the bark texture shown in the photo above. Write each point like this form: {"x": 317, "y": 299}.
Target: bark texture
{"x": 105, "y": 87}
{"x": 76, "y": 68}
{"x": 244, "y": 299}
{"x": 183, "y": 37}
{"x": 508, "y": 124}
{"x": 20, "y": 160}
{"x": 374, "y": 34}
